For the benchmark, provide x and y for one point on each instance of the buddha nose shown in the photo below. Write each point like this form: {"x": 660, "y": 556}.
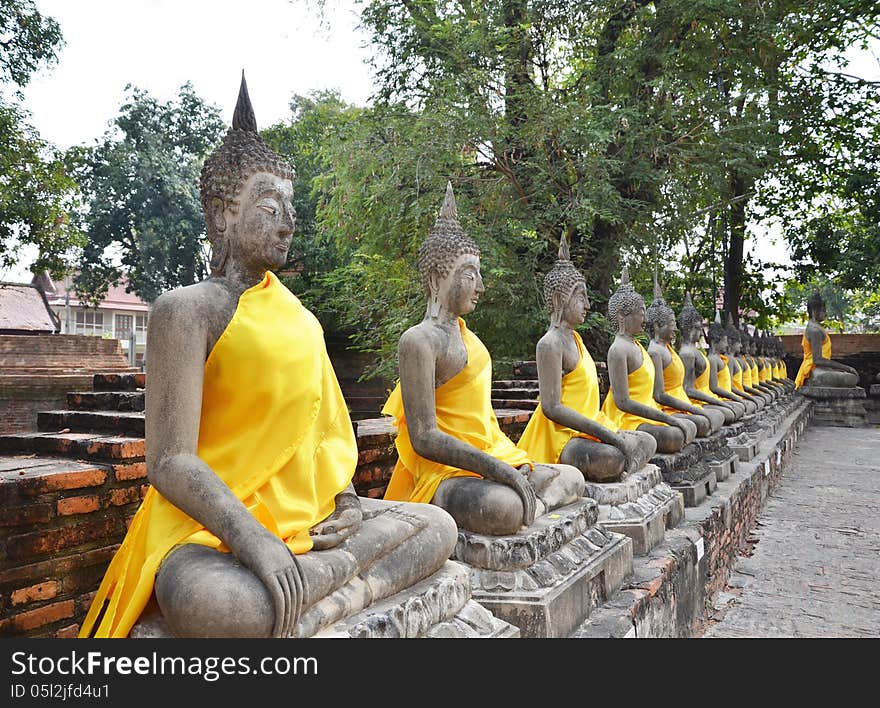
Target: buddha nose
{"x": 479, "y": 287}
{"x": 288, "y": 220}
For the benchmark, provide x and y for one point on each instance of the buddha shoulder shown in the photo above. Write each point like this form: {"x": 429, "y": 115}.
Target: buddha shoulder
{"x": 205, "y": 307}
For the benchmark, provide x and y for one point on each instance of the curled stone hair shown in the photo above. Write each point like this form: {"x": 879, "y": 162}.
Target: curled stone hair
{"x": 446, "y": 241}
{"x": 659, "y": 311}
{"x": 689, "y": 317}
{"x": 241, "y": 155}
{"x": 624, "y": 300}
{"x": 717, "y": 330}
{"x": 563, "y": 277}
{"x": 733, "y": 334}
{"x": 814, "y": 303}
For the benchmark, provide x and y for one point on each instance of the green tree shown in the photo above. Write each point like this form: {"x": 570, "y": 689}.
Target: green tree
{"x": 28, "y": 40}
{"x": 143, "y": 216}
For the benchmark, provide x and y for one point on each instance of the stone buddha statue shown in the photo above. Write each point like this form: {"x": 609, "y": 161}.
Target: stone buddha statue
{"x": 669, "y": 383}
{"x": 697, "y": 367}
{"x": 755, "y": 375}
{"x": 720, "y": 377}
{"x": 760, "y": 351}
{"x": 740, "y": 370}
{"x": 777, "y": 350}
{"x": 567, "y": 425}
{"x": 629, "y": 403}
{"x": 252, "y": 527}
{"x": 818, "y": 368}
{"x": 451, "y": 450}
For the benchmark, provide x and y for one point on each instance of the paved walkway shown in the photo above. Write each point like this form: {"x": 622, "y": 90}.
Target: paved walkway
{"x": 815, "y": 567}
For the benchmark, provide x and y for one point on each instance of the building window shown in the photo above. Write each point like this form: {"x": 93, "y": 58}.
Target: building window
{"x": 90, "y": 323}
{"x": 140, "y": 327}
{"x": 123, "y": 326}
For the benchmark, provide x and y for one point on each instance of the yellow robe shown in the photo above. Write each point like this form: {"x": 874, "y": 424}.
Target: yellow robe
{"x": 737, "y": 380}
{"x": 701, "y": 382}
{"x": 756, "y": 375}
{"x": 673, "y": 382}
{"x": 746, "y": 376}
{"x": 641, "y": 389}
{"x": 464, "y": 411}
{"x": 807, "y": 364}
{"x": 543, "y": 439}
{"x": 274, "y": 427}
{"x": 725, "y": 381}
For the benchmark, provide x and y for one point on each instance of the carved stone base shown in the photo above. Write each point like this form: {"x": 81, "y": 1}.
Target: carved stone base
{"x": 744, "y": 446}
{"x": 840, "y": 407}
{"x": 439, "y": 606}
{"x": 723, "y": 465}
{"x": 695, "y": 491}
{"x": 548, "y": 578}
{"x": 688, "y": 472}
{"x": 638, "y": 507}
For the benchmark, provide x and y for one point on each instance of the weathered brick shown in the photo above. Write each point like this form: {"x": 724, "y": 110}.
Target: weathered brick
{"x": 136, "y": 470}
{"x": 71, "y": 631}
{"x": 51, "y": 541}
{"x": 24, "y": 515}
{"x": 78, "y": 505}
{"x": 127, "y": 495}
{"x": 34, "y": 593}
{"x": 26, "y": 621}
{"x": 57, "y": 567}
{"x": 84, "y": 602}
{"x": 58, "y": 478}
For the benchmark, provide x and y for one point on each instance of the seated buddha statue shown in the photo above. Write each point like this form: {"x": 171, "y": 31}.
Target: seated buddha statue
{"x": 740, "y": 370}
{"x": 451, "y": 451}
{"x": 778, "y": 349}
{"x": 669, "y": 388}
{"x": 818, "y": 368}
{"x": 251, "y": 520}
{"x": 697, "y": 367}
{"x": 567, "y": 425}
{"x": 760, "y": 351}
{"x": 629, "y": 403}
{"x": 757, "y": 368}
{"x": 720, "y": 378}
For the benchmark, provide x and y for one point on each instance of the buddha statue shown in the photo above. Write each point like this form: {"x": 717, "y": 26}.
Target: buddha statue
{"x": 669, "y": 388}
{"x": 720, "y": 377}
{"x": 452, "y": 453}
{"x": 697, "y": 367}
{"x": 755, "y": 366}
{"x": 629, "y": 403}
{"x": 567, "y": 425}
{"x": 778, "y": 349}
{"x": 251, "y": 527}
{"x": 818, "y": 368}
{"x": 740, "y": 370}
{"x": 760, "y": 350}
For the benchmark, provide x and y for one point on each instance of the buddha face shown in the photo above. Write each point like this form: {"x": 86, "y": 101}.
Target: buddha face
{"x": 261, "y": 232}
{"x": 633, "y": 322}
{"x": 575, "y": 309}
{"x": 665, "y": 329}
{"x": 461, "y": 289}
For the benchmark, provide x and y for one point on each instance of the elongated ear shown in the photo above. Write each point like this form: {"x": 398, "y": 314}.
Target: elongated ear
{"x": 217, "y": 216}
{"x": 434, "y": 280}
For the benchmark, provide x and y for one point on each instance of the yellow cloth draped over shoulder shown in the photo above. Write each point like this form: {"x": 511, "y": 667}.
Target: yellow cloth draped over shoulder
{"x": 543, "y": 439}
{"x": 274, "y": 427}
{"x": 748, "y": 378}
{"x": 737, "y": 380}
{"x": 723, "y": 377}
{"x": 756, "y": 373}
{"x": 641, "y": 389}
{"x": 766, "y": 372}
{"x": 701, "y": 382}
{"x": 464, "y": 411}
{"x": 807, "y": 364}
{"x": 673, "y": 381}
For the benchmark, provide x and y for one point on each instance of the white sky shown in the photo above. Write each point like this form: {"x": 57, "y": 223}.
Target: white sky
{"x": 284, "y": 46}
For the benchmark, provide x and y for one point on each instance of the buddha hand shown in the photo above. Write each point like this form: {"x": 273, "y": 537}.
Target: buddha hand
{"x": 345, "y": 521}
{"x": 269, "y": 558}
{"x": 688, "y": 428}
{"x": 518, "y": 481}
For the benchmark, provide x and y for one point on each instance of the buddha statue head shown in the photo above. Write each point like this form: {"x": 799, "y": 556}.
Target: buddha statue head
{"x": 449, "y": 262}
{"x": 816, "y": 307}
{"x": 690, "y": 321}
{"x": 565, "y": 290}
{"x": 247, "y": 196}
{"x": 718, "y": 335}
{"x": 734, "y": 341}
{"x": 626, "y": 308}
{"x": 660, "y": 317}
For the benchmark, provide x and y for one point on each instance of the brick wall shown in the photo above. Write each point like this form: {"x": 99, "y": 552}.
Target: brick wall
{"x": 61, "y": 523}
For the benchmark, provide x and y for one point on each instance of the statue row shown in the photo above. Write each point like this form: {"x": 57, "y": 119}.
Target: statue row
{"x": 252, "y": 527}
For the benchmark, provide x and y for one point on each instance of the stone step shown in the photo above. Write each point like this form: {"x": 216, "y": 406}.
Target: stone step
{"x": 106, "y": 400}
{"x": 124, "y": 423}
{"x": 520, "y": 403}
{"x": 516, "y": 383}
{"x": 529, "y": 394}
{"x": 119, "y": 382}
{"x": 82, "y": 446}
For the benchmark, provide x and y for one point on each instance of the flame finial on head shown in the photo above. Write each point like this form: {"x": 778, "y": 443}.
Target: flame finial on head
{"x": 448, "y": 210}
{"x": 243, "y": 117}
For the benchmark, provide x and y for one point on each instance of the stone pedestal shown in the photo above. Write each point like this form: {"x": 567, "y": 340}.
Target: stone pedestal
{"x": 841, "y": 407}
{"x": 688, "y": 473}
{"x": 641, "y": 506}
{"x": 549, "y": 577}
{"x": 439, "y": 606}
{"x": 744, "y": 446}
{"x": 722, "y": 463}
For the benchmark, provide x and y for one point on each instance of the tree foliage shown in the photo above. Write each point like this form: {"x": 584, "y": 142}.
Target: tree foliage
{"x": 140, "y": 182}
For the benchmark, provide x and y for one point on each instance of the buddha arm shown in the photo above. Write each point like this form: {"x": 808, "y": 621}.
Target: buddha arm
{"x": 713, "y": 383}
{"x": 173, "y": 412}
{"x": 816, "y": 335}
{"x": 618, "y": 375}
{"x": 660, "y": 394}
{"x": 549, "y": 358}
{"x": 689, "y": 359}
